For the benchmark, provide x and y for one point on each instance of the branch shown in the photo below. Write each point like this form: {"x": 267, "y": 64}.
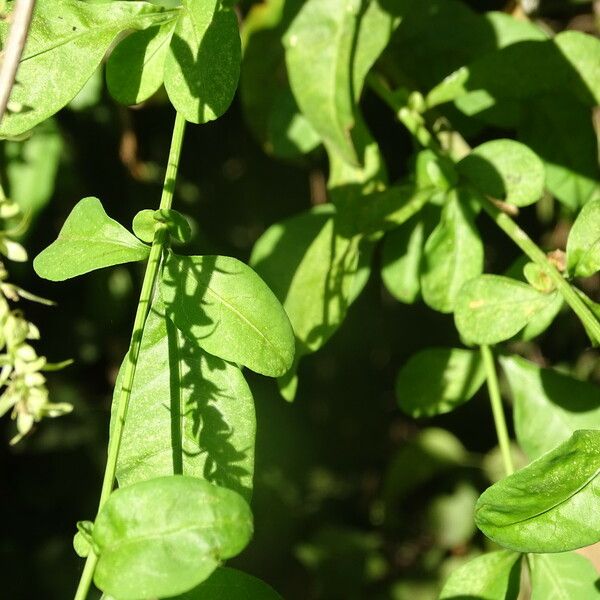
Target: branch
{"x": 17, "y": 36}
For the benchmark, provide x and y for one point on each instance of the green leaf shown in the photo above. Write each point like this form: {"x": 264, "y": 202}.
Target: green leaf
{"x": 135, "y": 69}
{"x": 222, "y": 305}
{"x": 436, "y": 37}
{"x": 401, "y": 256}
{"x": 450, "y": 516}
{"x": 566, "y": 63}
{"x": 320, "y": 46}
{"x": 583, "y": 245}
{"x": 32, "y": 166}
{"x": 491, "y": 308}
{"x": 453, "y": 254}
{"x": 88, "y": 240}
{"x": 559, "y": 129}
{"x": 437, "y": 380}
{"x": 552, "y": 504}
{"x": 567, "y": 576}
{"x": 67, "y": 43}
{"x": 163, "y": 536}
{"x": 311, "y": 270}
{"x": 230, "y": 584}
{"x": 548, "y": 406}
{"x": 189, "y": 413}
{"x": 144, "y": 224}
{"x": 505, "y": 170}
{"x": 202, "y": 66}
{"x": 493, "y": 576}
{"x": 269, "y": 106}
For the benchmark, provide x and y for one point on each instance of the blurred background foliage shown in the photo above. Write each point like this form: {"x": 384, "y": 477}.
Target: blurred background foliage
{"x": 352, "y": 499}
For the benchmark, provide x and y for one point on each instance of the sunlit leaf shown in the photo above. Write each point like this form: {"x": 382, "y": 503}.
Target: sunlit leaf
{"x": 437, "y": 380}
{"x": 88, "y": 240}
{"x": 163, "y": 536}
{"x": 552, "y": 504}
{"x": 548, "y": 406}
{"x": 222, "y": 305}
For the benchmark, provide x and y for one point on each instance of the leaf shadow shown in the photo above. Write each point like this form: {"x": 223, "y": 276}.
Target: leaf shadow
{"x": 200, "y": 427}
{"x": 207, "y": 79}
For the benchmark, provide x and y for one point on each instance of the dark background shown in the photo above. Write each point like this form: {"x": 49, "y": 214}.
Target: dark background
{"x": 321, "y": 461}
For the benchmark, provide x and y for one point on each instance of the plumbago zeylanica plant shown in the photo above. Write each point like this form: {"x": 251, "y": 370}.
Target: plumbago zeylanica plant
{"x": 184, "y": 482}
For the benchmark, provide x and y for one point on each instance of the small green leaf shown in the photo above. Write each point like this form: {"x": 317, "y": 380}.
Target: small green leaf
{"x": 135, "y": 69}
{"x": 177, "y": 224}
{"x": 83, "y": 540}
{"x": 453, "y": 254}
{"x": 437, "y": 380}
{"x": 202, "y": 66}
{"x": 491, "y": 308}
{"x": 222, "y": 305}
{"x": 401, "y": 257}
{"x": 538, "y": 278}
{"x": 433, "y": 170}
{"x": 163, "y": 536}
{"x": 144, "y": 224}
{"x": 493, "y": 576}
{"x": 583, "y": 245}
{"x": 505, "y": 170}
{"x": 189, "y": 413}
{"x": 231, "y": 584}
{"x": 552, "y": 504}
{"x": 548, "y": 406}
{"x": 567, "y": 576}
{"x": 88, "y": 240}
{"x": 50, "y": 73}
{"x": 450, "y": 516}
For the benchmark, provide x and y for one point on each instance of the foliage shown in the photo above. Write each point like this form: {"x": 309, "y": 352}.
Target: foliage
{"x": 494, "y": 126}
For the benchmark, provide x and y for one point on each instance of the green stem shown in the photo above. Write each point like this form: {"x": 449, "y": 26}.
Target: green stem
{"x": 497, "y": 410}
{"x": 143, "y": 308}
{"x": 516, "y": 234}
{"x": 529, "y": 247}
{"x": 411, "y": 119}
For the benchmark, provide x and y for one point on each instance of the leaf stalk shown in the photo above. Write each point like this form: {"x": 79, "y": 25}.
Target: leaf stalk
{"x": 150, "y": 277}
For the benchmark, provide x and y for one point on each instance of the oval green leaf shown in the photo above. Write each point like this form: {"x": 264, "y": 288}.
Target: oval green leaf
{"x": 164, "y": 536}
{"x": 583, "y": 245}
{"x": 189, "y": 413}
{"x": 88, "y": 240}
{"x": 493, "y": 576}
{"x": 437, "y": 380}
{"x": 230, "y": 584}
{"x": 135, "y": 68}
{"x": 548, "y": 406}
{"x": 50, "y": 73}
{"x": 552, "y": 505}
{"x": 453, "y": 254}
{"x": 567, "y": 576}
{"x": 202, "y": 66}
{"x": 222, "y": 305}
{"x": 505, "y": 170}
{"x": 491, "y": 308}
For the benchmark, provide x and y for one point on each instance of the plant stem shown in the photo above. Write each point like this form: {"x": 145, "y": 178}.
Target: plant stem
{"x": 13, "y": 50}
{"x": 530, "y": 248}
{"x": 516, "y": 234}
{"x": 497, "y": 410}
{"x": 143, "y": 308}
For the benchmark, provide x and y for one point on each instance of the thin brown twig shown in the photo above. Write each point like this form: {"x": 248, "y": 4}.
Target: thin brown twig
{"x": 11, "y": 56}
